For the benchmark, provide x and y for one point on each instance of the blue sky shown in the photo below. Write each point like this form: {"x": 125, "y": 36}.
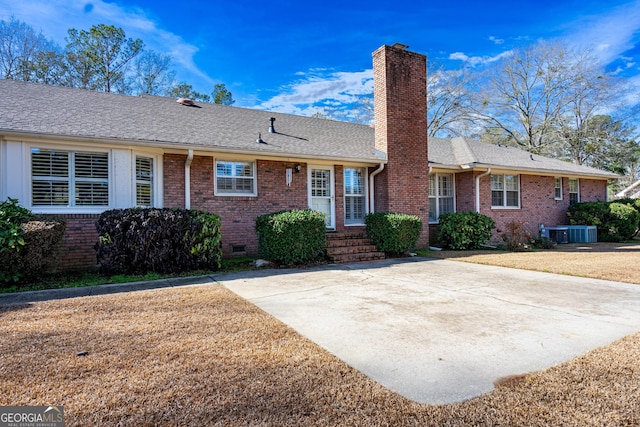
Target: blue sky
{"x": 290, "y": 55}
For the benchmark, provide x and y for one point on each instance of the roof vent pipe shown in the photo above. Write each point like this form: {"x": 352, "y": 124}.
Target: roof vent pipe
{"x": 271, "y": 128}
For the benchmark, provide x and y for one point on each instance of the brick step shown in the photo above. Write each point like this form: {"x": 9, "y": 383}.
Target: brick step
{"x": 351, "y": 247}
{"x": 360, "y": 257}
{"x": 339, "y": 250}
{"x": 347, "y": 235}
{"x": 335, "y": 243}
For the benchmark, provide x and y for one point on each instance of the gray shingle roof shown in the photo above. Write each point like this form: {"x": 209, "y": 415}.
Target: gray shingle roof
{"x": 40, "y": 109}
{"x": 479, "y": 154}
{"x": 29, "y": 108}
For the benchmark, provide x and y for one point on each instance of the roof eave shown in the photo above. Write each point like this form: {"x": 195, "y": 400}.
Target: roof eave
{"x": 172, "y": 146}
{"x": 540, "y": 171}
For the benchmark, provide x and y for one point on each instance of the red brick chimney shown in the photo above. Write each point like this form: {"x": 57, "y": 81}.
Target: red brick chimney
{"x": 400, "y": 106}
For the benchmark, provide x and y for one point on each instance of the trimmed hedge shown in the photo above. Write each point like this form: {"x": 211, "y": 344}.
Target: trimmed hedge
{"x": 393, "y": 233}
{"x": 138, "y": 241}
{"x": 634, "y": 203}
{"x": 464, "y": 230}
{"x": 39, "y": 255}
{"x": 291, "y": 237}
{"x": 616, "y": 222}
{"x": 28, "y": 248}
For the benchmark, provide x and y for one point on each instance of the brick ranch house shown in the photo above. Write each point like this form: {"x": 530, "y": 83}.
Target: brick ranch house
{"x": 75, "y": 153}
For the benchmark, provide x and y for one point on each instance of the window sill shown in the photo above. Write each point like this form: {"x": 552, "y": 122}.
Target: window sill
{"x": 61, "y": 210}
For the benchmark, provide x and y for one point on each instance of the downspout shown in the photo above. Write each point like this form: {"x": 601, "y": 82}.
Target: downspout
{"x": 187, "y": 180}
{"x": 372, "y": 206}
{"x": 478, "y": 188}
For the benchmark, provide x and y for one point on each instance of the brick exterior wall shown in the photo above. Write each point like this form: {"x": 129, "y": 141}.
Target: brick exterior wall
{"x": 465, "y": 192}
{"x": 238, "y": 214}
{"x": 400, "y": 105}
{"x": 173, "y": 179}
{"x": 78, "y": 253}
{"x": 537, "y": 201}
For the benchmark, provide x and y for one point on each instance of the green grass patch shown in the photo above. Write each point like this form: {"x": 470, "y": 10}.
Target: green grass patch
{"x": 76, "y": 280}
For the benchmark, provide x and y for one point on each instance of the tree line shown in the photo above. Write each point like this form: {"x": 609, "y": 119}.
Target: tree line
{"x": 101, "y": 58}
{"x": 546, "y": 98}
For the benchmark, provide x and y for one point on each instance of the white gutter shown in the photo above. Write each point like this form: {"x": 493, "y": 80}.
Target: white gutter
{"x": 187, "y": 180}
{"x": 478, "y": 188}
{"x": 372, "y": 206}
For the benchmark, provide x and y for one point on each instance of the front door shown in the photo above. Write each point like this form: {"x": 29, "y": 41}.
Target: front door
{"x": 321, "y": 196}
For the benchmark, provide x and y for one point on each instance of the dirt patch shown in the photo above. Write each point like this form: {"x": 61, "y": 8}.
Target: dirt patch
{"x": 200, "y": 355}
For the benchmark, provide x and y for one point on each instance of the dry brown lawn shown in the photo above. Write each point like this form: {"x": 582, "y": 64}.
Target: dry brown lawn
{"x": 200, "y": 356}
{"x": 609, "y": 261}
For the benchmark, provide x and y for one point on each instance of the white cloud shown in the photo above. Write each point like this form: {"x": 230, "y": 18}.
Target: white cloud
{"x": 458, "y": 56}
{"x": 55, "y": 17}
{"x": 478, "y": 60}
{"x": 323, "y": 91}
{"x": 610, "y": 34}
{"x": 496, "y": 40}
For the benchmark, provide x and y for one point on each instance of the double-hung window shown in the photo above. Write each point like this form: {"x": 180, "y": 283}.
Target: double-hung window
{"x": 505, "y": 191}
{"x": 69, "y": 178}
{"x": 558, "y": 188}
{"x": 441, "y": 195}
{"x": 235, "y": 178}
{"x": 354, "y": 196}
{"x": 574, "y": 191}
{"x": 144, "y": 181}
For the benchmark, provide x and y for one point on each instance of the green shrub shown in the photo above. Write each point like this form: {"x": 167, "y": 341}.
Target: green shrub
{"x": 615, "y": 221}
{"x": 393, "y": 233}
{"x": 28, "y": 248}
{"x": 291, "y": 237}
{"x": 623, "y": 222}
{"x": 589, "y": 213}
{"x": 464, "y": 230}
{"x": 39, "y": 255}
{"x": 634, "y": 203}
{"x": 12, "y": 216}
{"x": 138, "y": 241}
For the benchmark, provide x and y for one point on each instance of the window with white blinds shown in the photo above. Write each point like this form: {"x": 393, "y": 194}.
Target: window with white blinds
{"x": 354, "y": 196}
{"x": 235, "y": 178}
{"x": 144, "y": 181}
{"x": 68, "y": 178}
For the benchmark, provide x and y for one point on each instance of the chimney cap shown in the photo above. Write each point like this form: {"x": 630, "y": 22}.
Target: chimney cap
{"x": 400, "y": 46}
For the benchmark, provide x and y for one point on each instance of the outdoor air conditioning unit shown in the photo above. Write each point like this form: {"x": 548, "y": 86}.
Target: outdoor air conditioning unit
{"x": 583, "y": 233}
{"x": 559, "y": 235}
